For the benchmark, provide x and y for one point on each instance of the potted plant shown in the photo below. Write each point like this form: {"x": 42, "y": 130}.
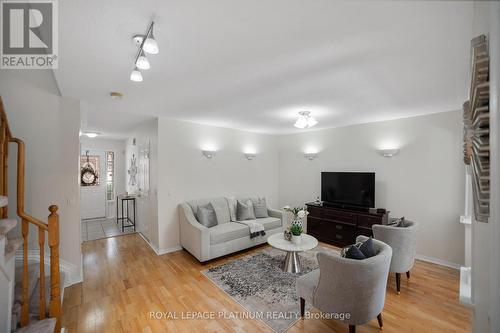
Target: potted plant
{"x": 296, "y": 231}
{"x": 296, "y": 226}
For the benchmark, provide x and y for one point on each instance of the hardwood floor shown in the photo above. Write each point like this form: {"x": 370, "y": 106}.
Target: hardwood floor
{"x": 124, "y": 280}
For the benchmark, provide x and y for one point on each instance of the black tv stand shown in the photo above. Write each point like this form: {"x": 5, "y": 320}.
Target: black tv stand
{"x": 339, "y": 226}
{"x": 346, "y": 207}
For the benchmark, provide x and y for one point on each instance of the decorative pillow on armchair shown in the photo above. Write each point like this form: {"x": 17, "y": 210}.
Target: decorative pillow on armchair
{"x": 244, "y": 211}
{"x": 361, "y": 250}
{"x": 399, "y": 222}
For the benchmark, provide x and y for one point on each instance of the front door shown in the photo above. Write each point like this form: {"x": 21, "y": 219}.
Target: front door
{"x": 93, "y": 191}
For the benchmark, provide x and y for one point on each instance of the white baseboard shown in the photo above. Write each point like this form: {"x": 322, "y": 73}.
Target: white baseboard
{"x": 162, "y": 251}
{"x": 169, "y": 250}
{"x": 72, "y": 273}
{"x": 438, "y": 261}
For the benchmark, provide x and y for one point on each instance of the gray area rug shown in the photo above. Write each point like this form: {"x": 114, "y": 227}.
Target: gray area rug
{"x": 258, "y": 284}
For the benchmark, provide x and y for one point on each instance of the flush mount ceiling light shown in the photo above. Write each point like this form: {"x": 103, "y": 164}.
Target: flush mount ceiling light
{"x": 305, "y": 120}
{"x": 147, "y": 44}
{"x": 116, "y": 95}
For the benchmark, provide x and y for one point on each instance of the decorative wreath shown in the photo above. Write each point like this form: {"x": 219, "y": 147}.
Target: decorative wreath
{"x": 88, "y": 173}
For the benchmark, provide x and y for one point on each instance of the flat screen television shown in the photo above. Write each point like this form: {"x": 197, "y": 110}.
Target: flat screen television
{"x": 355, "y": 189}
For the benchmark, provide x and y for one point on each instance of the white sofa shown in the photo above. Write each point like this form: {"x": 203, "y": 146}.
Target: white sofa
{"x": 227, "y": 236}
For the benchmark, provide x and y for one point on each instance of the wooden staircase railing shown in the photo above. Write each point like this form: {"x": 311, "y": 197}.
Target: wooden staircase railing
{"x": 48, "y": 230}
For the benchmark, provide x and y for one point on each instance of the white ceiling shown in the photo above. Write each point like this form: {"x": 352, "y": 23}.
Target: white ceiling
{"x": 254, "y": 64}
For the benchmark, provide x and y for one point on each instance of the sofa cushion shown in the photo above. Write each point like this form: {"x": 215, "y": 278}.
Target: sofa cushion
{"x": 245, "y": 211}
{"x": 206, "y": 215}
{"x": 222, "y": 233}
{"x": 270, "y": 222}
{"x": 260, "y": 207}
{"x": 220, "y": 206}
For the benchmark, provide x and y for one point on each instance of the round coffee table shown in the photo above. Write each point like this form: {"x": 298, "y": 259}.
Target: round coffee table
{"x": 292, "y": 263}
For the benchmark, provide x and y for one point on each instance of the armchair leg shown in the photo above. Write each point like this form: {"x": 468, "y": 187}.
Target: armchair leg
{"x": 408, "y": 275}
{"x": 398, "y": 283}
{"x": 302, "y": 306}
{"x": 379, "y": 318}
{"x": 352, "y": 329}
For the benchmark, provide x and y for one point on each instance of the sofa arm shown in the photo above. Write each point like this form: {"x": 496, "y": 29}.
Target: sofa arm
{"x": 277, "y": 214}
{"x": 195, "y": 237}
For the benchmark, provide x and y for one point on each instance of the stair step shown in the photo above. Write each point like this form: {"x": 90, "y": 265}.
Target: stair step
{"x": 33, "y": 275}
{"x": 41, "y": 326}
{"x": 11, "y": 247}
{"x": 3, "y": 201}
{"x": 6, "y": 225}
{"x": 35, "y": 296}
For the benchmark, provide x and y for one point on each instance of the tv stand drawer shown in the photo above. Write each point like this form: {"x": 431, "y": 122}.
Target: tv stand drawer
{"x": 337, "y": 215}
{"x": 339, "y": 234}
{"x": 340, "y": 227}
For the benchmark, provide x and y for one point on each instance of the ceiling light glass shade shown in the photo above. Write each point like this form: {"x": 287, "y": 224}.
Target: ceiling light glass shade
{"x": 150, "y": 45}
{"x": 305, "y": 120}
{"x": 301, "y": 122}
{"x": 136, "y": 75}
{"x": 142, "y": 62}
{"x": 311, "y": 122}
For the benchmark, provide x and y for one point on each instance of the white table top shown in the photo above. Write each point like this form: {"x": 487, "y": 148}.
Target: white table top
{"x": 278, "y": 241}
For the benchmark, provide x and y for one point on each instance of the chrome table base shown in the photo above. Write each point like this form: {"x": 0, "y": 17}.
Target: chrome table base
{"x": 291, "y": 263}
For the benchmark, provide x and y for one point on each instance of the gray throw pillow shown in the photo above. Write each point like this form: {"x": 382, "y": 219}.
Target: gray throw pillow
{"x": 399, "y": 222}
{"x": 260, "y": 208}
{"x": 244, "y": 211}
{"x": 232, "y": 203}
{"x": 206, "y": 215}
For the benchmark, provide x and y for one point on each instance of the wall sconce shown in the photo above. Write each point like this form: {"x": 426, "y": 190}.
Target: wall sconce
{"x": 388, "y": 152}
{"x": 311, "y": 156}
{"x": 250, "y": 156}
{"x": 208, "y": 153}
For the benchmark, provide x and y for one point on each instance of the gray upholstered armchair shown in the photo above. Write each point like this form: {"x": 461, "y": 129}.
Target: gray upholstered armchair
{"x": 354, "y": 289}
{"x": 403, "y": 241}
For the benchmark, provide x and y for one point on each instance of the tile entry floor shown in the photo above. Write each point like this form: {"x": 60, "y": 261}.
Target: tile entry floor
{"x": 102, "y": 228}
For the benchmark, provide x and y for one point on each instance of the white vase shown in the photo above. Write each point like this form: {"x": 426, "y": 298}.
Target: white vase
{"x": 297, "y": 221}
{"x": 296, "y": 239}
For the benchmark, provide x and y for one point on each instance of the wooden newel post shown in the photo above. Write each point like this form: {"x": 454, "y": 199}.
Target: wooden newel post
{"x": 55, "y": 286}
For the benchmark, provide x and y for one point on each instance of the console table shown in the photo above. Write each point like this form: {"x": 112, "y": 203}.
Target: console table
{"x": 341, "y": 226}
{"x": 125, "y": 217}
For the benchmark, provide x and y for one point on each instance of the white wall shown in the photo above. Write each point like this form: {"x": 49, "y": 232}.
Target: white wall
{"x": 495, "y": 168}
{"x": 424, "y": 182}
{"x": 185, "y": 174}
{"x": 118, "y": 147}
{"x": 49, "y": 126}
{"x": 147, "y": 206}
{"x": 486, "y": 236}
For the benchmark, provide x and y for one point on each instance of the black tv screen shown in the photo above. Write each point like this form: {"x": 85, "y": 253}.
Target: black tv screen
{"x": 348, "y": 188}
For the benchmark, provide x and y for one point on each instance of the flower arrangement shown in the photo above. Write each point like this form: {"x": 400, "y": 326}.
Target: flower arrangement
{"x": 298, "y": 212}
{"x": 296, "y": 226}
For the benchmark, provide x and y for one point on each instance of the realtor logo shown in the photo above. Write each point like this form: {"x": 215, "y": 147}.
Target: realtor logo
{"x": 29, "y": 34}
